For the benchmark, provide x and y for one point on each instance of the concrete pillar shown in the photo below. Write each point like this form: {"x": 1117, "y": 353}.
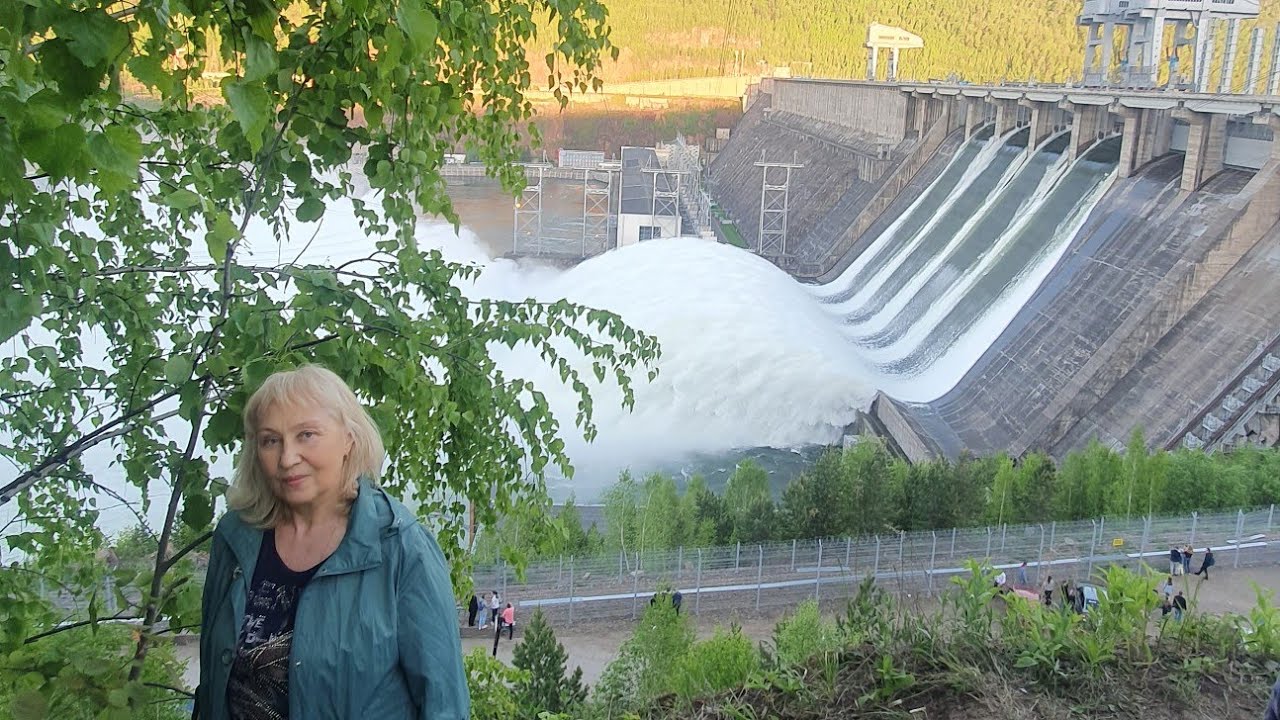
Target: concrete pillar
{"x": 1274, "y": 85}
{"x": 1204, "y": 51}
{"x": 1129, "y": 141}
{"x": 893, "y": 64}
{"x": 975, "y": 113}
{"x": 1108, "y": 36}
{"x": 1092, "y": 41}
{"x": 1041, "y": 122}
{"x": 1161, "y": 132}
{"x": 1255, "y": 61}
{"x": 873, "y": 56}
{"x": 1006, "y": 116}
{"x": 1154, "y": 55}
{"x": 1227, "y": 83}
{"x": 1206, "y": 146}
{"x": 1087, "y": 121}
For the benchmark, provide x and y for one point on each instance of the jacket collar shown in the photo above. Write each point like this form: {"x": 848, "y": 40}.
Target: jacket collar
{"x": 372, "y": 518}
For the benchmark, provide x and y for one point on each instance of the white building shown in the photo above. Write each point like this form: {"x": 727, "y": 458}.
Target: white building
{"x": 649, "y": 198}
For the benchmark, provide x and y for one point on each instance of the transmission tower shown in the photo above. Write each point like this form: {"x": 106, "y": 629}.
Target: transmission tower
{"x": 665, "y": 199}
{"x": 528, "y": 216}
{"x": 774, "y": 203}
{"x": 597, "y": 209}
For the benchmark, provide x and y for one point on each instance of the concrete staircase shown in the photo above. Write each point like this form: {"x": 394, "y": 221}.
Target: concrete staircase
{"x": 1233, "y": 417}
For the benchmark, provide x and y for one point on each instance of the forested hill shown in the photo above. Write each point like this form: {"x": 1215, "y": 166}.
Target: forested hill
{"x": 977, "y": 40}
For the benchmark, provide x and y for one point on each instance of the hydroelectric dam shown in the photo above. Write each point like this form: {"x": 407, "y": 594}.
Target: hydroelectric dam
{"x": 1029, "y": 267}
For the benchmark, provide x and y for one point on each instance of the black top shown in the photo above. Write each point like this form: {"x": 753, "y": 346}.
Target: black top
{"x": 258, "y": 688}
{"x": 1180, "y": 602}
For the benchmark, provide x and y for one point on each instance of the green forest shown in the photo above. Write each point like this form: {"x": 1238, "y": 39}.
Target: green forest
{"x": 976, "y": 41}
{"x": 864, "y": 490}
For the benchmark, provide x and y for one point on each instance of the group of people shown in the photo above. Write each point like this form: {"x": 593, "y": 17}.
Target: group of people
{"x": 1180, "y": 561}
{"x": 676, "y": 598}
{"x": 1172, "y": 600}
{"x": 489, "y": 610}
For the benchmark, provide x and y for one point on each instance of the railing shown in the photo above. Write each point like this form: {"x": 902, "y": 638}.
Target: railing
{"x": 756, "y": 577}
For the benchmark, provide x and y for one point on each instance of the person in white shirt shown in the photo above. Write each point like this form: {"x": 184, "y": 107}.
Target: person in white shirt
{"x": 495, "y": 604}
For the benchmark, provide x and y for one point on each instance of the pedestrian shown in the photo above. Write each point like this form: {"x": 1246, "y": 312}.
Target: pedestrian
{"x": 321, "y": 587}
{"x": 676, "y": 599}
{"x": 473, "y": 607}
{"x": 1187, "y": 553}
{"x": 1022, "y": 575}
{"x": 1175, "y": 560}
{"x": 1048, "y": 591}
{"x": 509, "y": 621}
{"x": 1206, "y": 563}
{"x": 1168, "y": 590}
{"x": 495, "y": 604}
{"x": 484, "y": 611}
{"x": 1179, "y": 605}
{"x": 1001, "y": 579}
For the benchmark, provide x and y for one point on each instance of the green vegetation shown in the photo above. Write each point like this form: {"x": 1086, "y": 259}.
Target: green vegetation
{"x": 542, "y": 657}
{"x": 140, "y": 323}
{"x": 978, "y": 42}
{"x": 977, "y": 654}
{"x": 864, "y": 490}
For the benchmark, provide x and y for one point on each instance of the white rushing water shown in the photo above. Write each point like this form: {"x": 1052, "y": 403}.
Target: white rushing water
{"x": 751, "y": 358}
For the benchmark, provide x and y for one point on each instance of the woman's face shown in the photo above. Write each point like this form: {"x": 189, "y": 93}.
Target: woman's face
{"x": 301, "y": 450}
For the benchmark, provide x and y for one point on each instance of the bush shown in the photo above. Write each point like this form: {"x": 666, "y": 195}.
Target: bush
{"x": 804, "y": 635}
{"x": 492, "y": 684}
{"x": 647, "y": 664}
{"x": 720, "y": 663}
{"x": 93, "y": 685}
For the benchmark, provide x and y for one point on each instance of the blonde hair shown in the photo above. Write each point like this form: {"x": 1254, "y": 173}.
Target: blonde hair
{"x": 250, "y": 493}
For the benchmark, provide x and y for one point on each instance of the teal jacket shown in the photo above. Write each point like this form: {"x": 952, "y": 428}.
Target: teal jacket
{"x": 375, "y": 635}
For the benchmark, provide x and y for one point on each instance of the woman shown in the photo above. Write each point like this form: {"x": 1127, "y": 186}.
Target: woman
{"x": 325, "y": 599}
{"x": 1206, "y": 563}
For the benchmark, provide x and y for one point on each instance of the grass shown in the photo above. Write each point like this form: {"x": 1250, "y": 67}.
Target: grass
{"x": 983, "y": 655}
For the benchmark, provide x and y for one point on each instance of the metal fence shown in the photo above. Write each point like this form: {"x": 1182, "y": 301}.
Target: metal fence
{"x": 758, "y": 577}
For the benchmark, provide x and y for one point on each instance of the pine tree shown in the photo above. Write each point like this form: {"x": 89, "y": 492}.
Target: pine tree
{"x": 543, "y": 658}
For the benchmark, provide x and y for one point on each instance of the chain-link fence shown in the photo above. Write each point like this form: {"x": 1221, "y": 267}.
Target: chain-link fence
{"x": 756, "y": 577}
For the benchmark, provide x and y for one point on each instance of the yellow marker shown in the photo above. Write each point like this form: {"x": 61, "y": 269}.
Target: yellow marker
{"x": 1118, "y": 542}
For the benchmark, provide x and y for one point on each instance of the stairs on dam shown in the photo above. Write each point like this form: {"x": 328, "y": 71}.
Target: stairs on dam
{"x": 1227, "y": 420}
{"x": 1091, "y": 320}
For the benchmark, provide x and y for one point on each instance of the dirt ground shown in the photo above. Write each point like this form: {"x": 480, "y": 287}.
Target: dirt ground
{"x": 593, "y": 647}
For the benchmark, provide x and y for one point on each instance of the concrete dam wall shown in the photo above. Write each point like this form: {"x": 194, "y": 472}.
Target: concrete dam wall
{"x": 1160, "y": 301}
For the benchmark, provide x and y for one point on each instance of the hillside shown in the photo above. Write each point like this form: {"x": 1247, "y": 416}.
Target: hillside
{"x": 979, "y": 41}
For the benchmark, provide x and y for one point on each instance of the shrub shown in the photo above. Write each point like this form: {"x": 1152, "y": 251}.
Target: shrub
{"x": 543, "y": 658}
{"x": 724, "y": 661}
{"x": 804, "y": 635}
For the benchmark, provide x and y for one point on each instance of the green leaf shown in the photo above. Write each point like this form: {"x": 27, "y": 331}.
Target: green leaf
{"x": 29, "y": 705}
{"x": 219, "y": 237}
{"x": 93, "y": 37}
{"x": 310, "y": 210}
{"x": 180, "y": 199}
{"x": 197, "y": 510}
{"x": 418, "y": 23}
{"x": 251, "y": 107}
{"x": 260, "y": 58}
{"x": 177, "y": 369}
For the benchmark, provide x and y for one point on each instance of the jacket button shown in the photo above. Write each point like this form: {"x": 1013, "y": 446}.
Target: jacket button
{"x": 226, "y": 657}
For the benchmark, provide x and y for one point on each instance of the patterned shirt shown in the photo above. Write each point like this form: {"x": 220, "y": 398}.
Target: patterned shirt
{"x": 258, "y": 688}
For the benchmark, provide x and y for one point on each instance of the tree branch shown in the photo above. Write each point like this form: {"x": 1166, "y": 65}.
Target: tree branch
{"x": 74, "y": 625}
{"x": 192, "y": 546}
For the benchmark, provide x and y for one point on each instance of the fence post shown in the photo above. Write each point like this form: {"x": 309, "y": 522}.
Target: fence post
{"x": 1142, "y": 545}
{"x": 571, "y": 578}
{"x": 988, "y": 542}
{"x": 635, "y": 586}
{"x": 1004, "y": 528}
{"x": 933, "y": 555}
{"x": 1270, "y": 513}
{"x": 876, "y": 570}
{"x": 848, "y": 548}
{"x": 697, "y": 599}
{"x": 1040, "y": 560}
{"x": 737, "y": 557}
{"x": 953, "y": 544}
{"x": 504, "y": 578}
{"x": 1239, "y": 539}
{"x": 1195, "y": 518}
{"x": 817, "y": 580}
{"x": 679, "y": 563}
{"x": 793, "y": 556}
{"x": 1053, "y": 533}
{"x": 759, "y": 575}
{"x": 902, "y": 538}
{"x": 621, "y": 562}
{"x": 1093, "y": 546}
{"x": 560, "y": 574}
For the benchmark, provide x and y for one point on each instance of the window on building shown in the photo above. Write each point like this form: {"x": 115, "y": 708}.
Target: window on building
{"x": 649, "y": 232}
